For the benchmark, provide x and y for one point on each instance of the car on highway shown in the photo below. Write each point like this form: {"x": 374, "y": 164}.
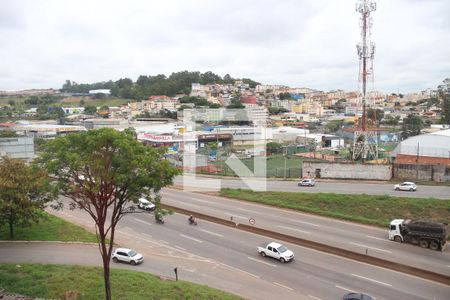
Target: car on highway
{"x": 357, "y": 296}
{"x": 406, "y": 186}
{"x": 307, "y": 182}
{"x": 127, "y": 255}
{"x": 276, "y": 251}
{"x": 146, "y": 205}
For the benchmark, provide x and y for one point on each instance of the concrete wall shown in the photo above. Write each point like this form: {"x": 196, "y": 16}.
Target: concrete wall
{"x": 17, "y": 147}
{"x": 346, "y": 170}
{"x": 413, "y": 172}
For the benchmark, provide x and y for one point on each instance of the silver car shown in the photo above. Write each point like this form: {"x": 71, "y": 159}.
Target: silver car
{"x": 127, "y": 255}
{"x": 307, "y": 182}
{"x": 406, "y": 186}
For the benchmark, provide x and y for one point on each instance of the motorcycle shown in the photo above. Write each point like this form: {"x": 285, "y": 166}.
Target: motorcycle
{"x": 192, "y": 221}
{"x": 159, "y": 220}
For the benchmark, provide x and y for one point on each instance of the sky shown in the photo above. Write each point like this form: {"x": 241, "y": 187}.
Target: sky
{"x": 299, "y": 43}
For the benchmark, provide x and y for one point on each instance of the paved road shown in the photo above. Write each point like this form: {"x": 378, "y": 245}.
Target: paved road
{"x": 346, "y": 235}
{"x": 328, "y": 186}
{"x": 226, "y": 258}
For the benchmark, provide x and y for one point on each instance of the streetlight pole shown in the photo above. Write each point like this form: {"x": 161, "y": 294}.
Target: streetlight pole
{"x": 285, "y": 154}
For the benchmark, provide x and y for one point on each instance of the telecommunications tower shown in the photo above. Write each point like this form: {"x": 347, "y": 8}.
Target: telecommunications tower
{"x": 365, "y": 141}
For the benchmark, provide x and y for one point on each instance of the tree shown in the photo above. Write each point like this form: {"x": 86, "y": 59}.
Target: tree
{"x": 334, "y": 126}
{"x": 24, "y": 192}
{"x": 444, "y": 95}
{"x": 392, "y": 121}
{"x": 375, "y": 115}
{"x": 90, "y": 110}
{"x": 412, "y": 125}
{"x": 101, "y": 172}
{"x": 273, "y": 147}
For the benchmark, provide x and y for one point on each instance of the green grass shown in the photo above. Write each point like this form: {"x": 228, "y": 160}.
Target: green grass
{"x": 274, "y": 166}
{"x": 52, "y": 281}
{"x": 49, "y": 228}
{"x": 367, "y": 209}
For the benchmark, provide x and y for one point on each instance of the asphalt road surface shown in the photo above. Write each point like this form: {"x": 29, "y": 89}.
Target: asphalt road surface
{"x": 347, "y": 235}
{"x": 226, "y": 258}
{"x": 324, "y": 186}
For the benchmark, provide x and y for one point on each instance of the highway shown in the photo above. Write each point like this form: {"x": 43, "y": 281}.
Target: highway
{"x": 226, "y": 258}
{"x": 330, "y": 186}
{"x": 342, "y": 234}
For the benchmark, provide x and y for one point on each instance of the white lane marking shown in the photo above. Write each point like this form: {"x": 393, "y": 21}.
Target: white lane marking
{"x": 213, "y": 233}
{"x": 181, "y": 248}
{"x": 234, "y": 215}
{"x": 377, "y": 238}
{"x": 368, "y": 247}
{"x": 283, "y": 286}
{"x": 314, "y": 297}
{"x": 191, "y": 238}
{"x": 294, "y": 229}
{"x": 260, "y": 261}
{"x": 373, "y": 280}
{"x": 303, "y": 222}
{"x": 147, "y": 223}
{"x": 164, "y": 242}
{"x": 248, "y": 273}
{"x": 343, "y": 288}
{"x": 147, "y": 235}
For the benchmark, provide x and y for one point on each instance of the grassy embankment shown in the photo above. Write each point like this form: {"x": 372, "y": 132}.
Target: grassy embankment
{"x": 366, "y": 209}
{"x": 49, "y": 228}
{"x": 52, "y": 281}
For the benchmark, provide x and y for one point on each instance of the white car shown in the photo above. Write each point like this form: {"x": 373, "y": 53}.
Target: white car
{"x": 127, "y": 255}
{"x": 145, "y": 204}
{"x": 276, "y": 251}
{"x": 406, "y": 186}
{"x": 307, "y": 182}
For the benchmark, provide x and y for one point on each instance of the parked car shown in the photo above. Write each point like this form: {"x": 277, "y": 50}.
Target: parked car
{"x": 145, "y": 204}
{"x": 357, "y": 296}
{"x": 127, "y": 255}
{"x": 307, "y": 182}
{"x": 406, "y": 186}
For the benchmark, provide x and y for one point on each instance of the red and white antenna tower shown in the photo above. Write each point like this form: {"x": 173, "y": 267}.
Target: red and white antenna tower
{"x": 365, "y": 142}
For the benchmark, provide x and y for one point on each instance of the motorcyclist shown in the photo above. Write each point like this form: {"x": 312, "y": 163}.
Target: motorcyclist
{"x": 191, "y": 219}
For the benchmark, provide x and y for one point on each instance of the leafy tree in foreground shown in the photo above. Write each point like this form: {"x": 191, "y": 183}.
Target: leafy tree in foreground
{"x": 24, "y": 191}
{"x": 101, "y": 172}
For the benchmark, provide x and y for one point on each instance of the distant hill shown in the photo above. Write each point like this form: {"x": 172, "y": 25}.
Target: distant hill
{"x": 145, "y": 86}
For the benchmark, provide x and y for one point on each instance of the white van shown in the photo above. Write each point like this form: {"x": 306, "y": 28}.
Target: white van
{"x": 145, "y": 204}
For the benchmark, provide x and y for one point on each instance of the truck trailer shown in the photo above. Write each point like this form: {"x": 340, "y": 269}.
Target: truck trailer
{"x": 425, "y": 233}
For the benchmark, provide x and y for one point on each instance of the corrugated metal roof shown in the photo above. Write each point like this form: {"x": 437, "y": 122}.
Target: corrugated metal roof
{"x": 442, "y": 132}
{"x": 433, "y": 145}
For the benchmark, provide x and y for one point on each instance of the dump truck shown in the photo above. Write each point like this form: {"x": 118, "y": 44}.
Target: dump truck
{"x": 425, "y": 233}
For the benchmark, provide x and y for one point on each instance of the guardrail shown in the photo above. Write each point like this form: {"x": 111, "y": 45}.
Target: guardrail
{"x": 320, "y": 247}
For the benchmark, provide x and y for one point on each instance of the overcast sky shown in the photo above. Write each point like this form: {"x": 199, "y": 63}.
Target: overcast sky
{"x": 300, "y": 43}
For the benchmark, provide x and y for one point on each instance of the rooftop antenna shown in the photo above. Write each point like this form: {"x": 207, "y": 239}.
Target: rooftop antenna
{"x": 365, "y": 142}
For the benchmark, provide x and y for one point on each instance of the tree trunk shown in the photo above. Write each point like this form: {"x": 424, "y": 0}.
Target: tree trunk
{"x": 106, "y": 277}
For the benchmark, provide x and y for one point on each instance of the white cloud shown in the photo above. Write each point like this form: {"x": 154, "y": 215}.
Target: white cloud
{"x": 297, "y": 43}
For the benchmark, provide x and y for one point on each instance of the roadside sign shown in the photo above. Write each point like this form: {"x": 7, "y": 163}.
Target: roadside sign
{"x": 251, "y": 221}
